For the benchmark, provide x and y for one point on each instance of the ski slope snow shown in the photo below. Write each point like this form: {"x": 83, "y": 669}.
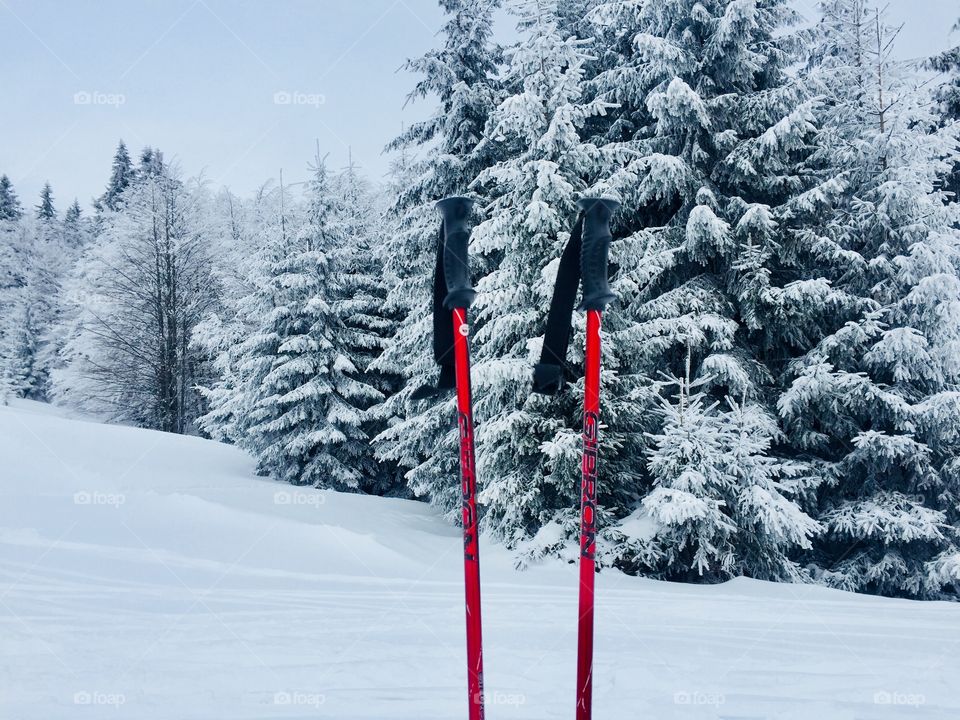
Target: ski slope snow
{"x": 147, "y": 575}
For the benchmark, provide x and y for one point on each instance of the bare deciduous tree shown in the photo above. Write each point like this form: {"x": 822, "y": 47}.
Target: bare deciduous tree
{"x": 139, "y": 291}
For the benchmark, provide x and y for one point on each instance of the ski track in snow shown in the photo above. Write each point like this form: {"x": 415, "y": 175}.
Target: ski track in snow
{"x": 146, "y": 575}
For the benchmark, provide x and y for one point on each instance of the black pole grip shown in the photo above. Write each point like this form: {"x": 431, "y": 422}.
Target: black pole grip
{"x": 455, "y": 212}
{"x": 595, "y": 251}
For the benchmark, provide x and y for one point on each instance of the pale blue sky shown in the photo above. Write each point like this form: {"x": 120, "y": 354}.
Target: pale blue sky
{"x": 200, "y": 78}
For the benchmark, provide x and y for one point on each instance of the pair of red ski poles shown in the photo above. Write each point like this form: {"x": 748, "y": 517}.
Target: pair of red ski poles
{"x": 584, "y": 259}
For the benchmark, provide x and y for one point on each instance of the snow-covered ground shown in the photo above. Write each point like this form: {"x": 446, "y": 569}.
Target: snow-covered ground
{"x": 146, "y": 575}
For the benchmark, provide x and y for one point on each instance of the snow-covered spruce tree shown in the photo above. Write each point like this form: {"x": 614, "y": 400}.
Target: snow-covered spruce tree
{"x": 15, "y": 248}
{"x": 60, "y": 247}
{"x": 249, "y": 237}
{"x": 76, "y": 233}
{"x": 25, "y": 375}
{"x": 10, "y": 208}
{"x": 152, "y": 164}
{"x": 34, "y": 302}
{"x": 721, "y": 503}
{"x": 13, "y": 243}
{"x": 121, "y": 175}
{"x": 948, "y": 97}
{"x": 306, "y": 417}
{"x": 688, "y": 505}
{"x": 137, "y": 293}
{"x": 19, "y": 330}
{"x": 461, "y": 75}
{"x": 46, "y": 210}
{"x": 31, "y": 318}
{"x": 711, "y": 132}
{"x": 54, "y": 256}
{"x": 875, "y": 401}
{"x": 361, "y": 307}
{"x": 528, "y": 446}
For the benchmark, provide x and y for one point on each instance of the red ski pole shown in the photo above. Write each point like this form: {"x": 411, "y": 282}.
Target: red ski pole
{"x": 456, "y": 271}
{"x": 596, "y": 295}
{"x": 588, "y": 518}
{"x": 468, "y": 487}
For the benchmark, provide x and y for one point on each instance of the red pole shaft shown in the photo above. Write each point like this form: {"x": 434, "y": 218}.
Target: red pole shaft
{"x": 588, "y": 518}
{"x": 468, "y": 488}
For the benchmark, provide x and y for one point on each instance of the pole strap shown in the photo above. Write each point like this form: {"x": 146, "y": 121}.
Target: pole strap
{"x": 549, "y": 374}
{"x": 442, "y": 333}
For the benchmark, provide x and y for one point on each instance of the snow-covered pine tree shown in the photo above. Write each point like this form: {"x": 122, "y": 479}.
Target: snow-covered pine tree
{"x": 721, "y": 504}
{"x": 688, "y": 512}
{"x": 47, "y": 262}
{"x": 307, "y": 415}
{"x": 250, "y": 238}
{"x": 361, "y": 306}
{"x": 46, "y": 210}
{"x": 75, "y": 231}
{"x": 60, "y": 244}
{"x": 710, "y": 132}
{"x": 151, "y": 163}
{"x": 771, "y": 525}
{"x": 528, "y": 446}
{"x": 875, "y": 400}
{"x": 121, "y": 175}
{"x": 34, "y": 306}
{"x": 25, "y": 373}
{"x": 462, "y": 76}
{"x": 948, "y": 96}
{"x": 15, "y": 248}
{"x": 10, "y": 209}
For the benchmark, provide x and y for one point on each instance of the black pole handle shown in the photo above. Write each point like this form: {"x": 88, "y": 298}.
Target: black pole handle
{"x": 455, "y": 212}
{"x": 595, "y": 251}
